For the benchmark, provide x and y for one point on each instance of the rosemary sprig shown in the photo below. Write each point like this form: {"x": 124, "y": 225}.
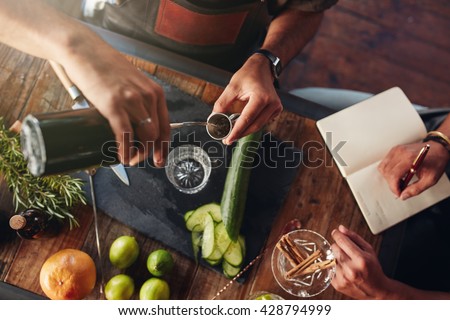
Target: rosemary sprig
{"x": 54, "y": 194}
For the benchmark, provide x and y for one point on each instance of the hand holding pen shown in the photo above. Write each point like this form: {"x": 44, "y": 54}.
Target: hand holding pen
{"x": 396, "y": 168}
{"x": 404, "y": 182}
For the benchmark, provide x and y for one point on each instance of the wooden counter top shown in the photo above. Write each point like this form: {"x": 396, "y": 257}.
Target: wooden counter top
{"x": 319, "y": 197}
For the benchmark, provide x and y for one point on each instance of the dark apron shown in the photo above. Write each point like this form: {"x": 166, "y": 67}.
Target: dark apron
{"x": 222, "y": 33}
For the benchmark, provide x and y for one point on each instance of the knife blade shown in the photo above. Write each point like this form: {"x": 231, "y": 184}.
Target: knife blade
{"x": 119, "y": 170}
{"x": 80, "y": 102}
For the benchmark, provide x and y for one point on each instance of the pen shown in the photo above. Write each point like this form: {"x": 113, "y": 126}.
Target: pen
{"x": 414, "y": 167}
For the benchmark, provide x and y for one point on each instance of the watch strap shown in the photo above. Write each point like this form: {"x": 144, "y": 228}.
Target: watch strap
{"x": 275, "y": 62}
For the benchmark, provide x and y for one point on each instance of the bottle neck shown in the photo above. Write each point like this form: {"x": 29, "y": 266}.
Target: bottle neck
{"x": 34, "y": 224}
{"x": 17, "y": 222}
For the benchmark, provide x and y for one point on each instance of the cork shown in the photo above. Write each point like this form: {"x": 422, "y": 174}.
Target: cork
{"x": 17, "y": 222}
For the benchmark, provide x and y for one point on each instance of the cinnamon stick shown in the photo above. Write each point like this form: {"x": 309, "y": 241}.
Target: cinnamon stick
{"x": 291, "y": 258}
{"x": 304, "y": 264}
{"x": 290, "y": 250}
{"x": 295, "y": 249}
{"x": 321, "y": 265}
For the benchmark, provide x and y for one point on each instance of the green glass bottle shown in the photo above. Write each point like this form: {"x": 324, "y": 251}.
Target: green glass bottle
{"x": 67, "y": 141}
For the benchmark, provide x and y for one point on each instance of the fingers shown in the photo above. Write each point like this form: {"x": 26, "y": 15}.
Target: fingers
{"x": 344, "y": 278}
{"x": 345, "y": 243}
{"x": 123, "y": 133}
{"x": 245, "y": 120}
{"x": 398, "y": 162}
{"x": 339, "y": 281}
{"x": 161, "y": 146}
{"x": 352, "y": 244}
{"x": 152, "y": 133}
{"x": 225, "y": 100}
{"x": 393, "y": 168}
{"x": 261, "y": 120}
{"x": 256, "y": 113}
{"x": 425, "y": 181}
{"x": 141, "y": 110}
{"x": 356, "y": 238}
{"x": 139, "y": 118}
{"x": 349, "y": 275}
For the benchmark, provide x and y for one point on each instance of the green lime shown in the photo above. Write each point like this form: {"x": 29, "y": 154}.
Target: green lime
{"x": 266, "y": 296}
{"x": 154, "y": 289}
{"x": 119, "y": 287}
{"x": 160, "y": 262}
{"x": 123, "y": 252}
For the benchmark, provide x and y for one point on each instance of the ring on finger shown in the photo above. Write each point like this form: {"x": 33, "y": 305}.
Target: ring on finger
{"x": 144, "y": 121}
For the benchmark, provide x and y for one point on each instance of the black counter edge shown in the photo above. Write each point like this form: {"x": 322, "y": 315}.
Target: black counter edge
{"x": 11, "y": 292}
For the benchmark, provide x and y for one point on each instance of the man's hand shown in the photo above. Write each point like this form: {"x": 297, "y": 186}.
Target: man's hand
{"x": 126, "y": 97}
{"x": 359, "y": 274}
{"x": 253, "y": 85}
{"x": 358, "y": 271}
{"x": 398, "y": 161}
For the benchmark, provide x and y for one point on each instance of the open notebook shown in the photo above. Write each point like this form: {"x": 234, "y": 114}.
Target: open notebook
{"x": 359, "y": 137}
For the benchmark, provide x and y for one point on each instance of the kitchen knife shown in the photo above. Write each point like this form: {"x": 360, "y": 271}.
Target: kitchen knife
{"x": 81, "y": 103}
{"x": 75, "y": 94}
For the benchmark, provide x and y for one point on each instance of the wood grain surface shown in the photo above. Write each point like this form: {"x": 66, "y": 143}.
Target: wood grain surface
{"x": 371, "y": 46}
{"x": 319, "y": 197}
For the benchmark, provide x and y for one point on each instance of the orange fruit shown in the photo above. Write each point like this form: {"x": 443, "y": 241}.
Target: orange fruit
{"x": 69, "y": 274}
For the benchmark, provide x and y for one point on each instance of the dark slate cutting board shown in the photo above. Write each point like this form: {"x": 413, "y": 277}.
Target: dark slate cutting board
{"x": 152, "y": 206}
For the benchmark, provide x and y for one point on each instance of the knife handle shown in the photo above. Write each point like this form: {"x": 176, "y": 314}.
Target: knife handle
{"x": 65, "y": 80}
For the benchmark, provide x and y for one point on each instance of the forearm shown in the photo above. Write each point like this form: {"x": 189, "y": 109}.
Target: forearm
{"x": 38, "y": 29}
{"x": 445, "y": 126}
{"x": 290, "y": 31}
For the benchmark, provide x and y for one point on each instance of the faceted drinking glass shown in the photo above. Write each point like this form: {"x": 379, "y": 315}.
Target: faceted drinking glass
{"x": 188, "y": 168}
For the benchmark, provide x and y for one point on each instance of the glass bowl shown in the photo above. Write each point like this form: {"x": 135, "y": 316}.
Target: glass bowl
{"x": 309, "y": 284}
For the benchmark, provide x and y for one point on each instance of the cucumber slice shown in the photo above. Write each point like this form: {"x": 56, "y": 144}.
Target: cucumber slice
{"x": 208, "y": 237}
{"x": 213, "y": 262}
{"x": 215, "y": 255}
{"x": 213, "y": 209}
{"x": 241, "y": 240}
{"x": 234, "y": 255}
{"x": 187, "y": 215}
{"x": 221, "y": 238}
{"x": 196, "y": 221}
{"x": 209, "y": 234}
{"x": 230, "y": 271}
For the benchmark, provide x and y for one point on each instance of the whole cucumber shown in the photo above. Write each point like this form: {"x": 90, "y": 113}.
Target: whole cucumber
{"x": 234, "y": 194}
